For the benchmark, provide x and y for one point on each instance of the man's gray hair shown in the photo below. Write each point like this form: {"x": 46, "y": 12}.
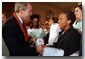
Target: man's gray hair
{"x": 19, "y": 5}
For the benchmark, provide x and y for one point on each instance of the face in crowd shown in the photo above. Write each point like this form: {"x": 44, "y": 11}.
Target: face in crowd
{"x": 78, "y": 11}
{"x": 24, "y": 12}
{"x": 66, "y": 18}
{"x": 35, "y": 22}
{"x": 51, "y": 22}
{"x": 3, "y": 17}
{"x": 62, "y": 20}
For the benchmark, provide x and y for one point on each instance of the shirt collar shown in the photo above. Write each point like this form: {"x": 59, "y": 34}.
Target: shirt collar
{"x": 19, "y": 19}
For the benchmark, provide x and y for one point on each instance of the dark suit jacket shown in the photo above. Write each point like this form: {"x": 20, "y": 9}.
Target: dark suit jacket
{"x": 69, "y": 41}
{"x": 46, "y": 39}
{"x": 80, "y": 54}
{"x": 14, "y": 39}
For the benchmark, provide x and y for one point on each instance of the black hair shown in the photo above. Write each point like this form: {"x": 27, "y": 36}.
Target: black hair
{"x": 55, "y": 19}
{"x": 70, "y": 16}
{"x": 32, "y": 18}
{"x": 79, "y": 6}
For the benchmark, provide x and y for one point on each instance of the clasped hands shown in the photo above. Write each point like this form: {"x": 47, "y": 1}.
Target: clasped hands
{"x": 40, "y": 49}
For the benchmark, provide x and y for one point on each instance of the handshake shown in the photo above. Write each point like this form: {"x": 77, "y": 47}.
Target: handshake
{"x": 40, "y": 48}
{"x": 39, "y": 44}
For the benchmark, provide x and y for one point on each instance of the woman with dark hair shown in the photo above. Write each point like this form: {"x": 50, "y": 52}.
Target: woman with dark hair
{"x": 78, "y": 13}
{"x": 49, "y": 22}
{"x": 68, "y": 40}
{"x": 35, "y": 21}
{"x": 35, "y": 31}
{"x": 53, "y": 20}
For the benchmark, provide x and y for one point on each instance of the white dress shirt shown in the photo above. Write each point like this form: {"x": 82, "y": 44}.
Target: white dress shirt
{"x": 54, "y": 33}
{"x": 19, "y": 19}
{"x": 49, "y": 51}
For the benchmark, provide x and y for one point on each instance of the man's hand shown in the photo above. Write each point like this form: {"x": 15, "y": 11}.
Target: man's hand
{"x": 40, "y": 49}
{"x": 47, "y": 46}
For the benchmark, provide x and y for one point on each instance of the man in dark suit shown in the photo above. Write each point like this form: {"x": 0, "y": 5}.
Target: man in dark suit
{"x": 15, "y": 34}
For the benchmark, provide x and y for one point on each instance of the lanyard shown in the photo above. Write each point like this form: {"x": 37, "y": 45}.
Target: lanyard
{"x": 26, "y": 36}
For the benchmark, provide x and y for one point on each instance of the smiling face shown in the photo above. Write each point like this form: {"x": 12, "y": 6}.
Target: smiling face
{"x": 78, "y": 12}
{"x": 63, "y": 21}
{"x": 35, "y": 22}
{"x": 51, "y": 22}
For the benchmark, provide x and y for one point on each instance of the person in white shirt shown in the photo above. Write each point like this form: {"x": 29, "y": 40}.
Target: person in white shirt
{"x": 78, "y": 13}
{"x": 54, "y": 33}
{"x": 53, "y": 28}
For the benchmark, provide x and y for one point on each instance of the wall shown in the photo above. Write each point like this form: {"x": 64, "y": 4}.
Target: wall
{"x": 8, "y": 8}
{"x": 41, "y": 9}
{"x": 38, "y": 8}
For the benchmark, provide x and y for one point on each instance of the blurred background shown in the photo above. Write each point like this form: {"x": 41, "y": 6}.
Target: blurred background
{"x": 45, "y": 10}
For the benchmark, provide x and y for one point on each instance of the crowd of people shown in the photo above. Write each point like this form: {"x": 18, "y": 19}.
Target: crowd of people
{"x": 24, "y": 35}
